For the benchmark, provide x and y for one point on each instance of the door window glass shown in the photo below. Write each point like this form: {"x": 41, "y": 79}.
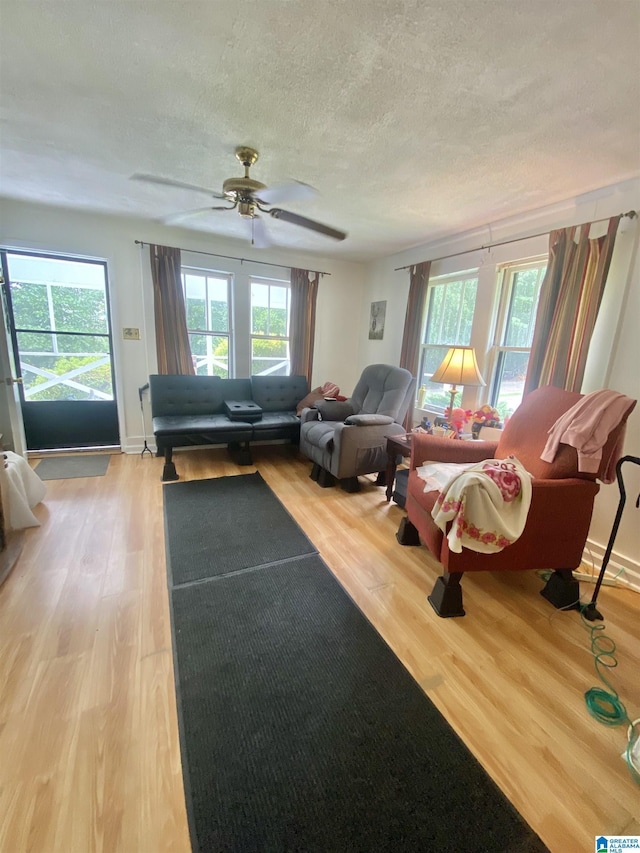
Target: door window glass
{"x": 62, "y": 328}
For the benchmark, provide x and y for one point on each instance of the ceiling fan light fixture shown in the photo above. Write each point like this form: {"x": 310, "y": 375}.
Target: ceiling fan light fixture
{"x": 246, "y": 208}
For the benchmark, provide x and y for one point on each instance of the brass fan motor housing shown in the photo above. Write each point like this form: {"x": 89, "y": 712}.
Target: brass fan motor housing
{"x": 241, "y": 187}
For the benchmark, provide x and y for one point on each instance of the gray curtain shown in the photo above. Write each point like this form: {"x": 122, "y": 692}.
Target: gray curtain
{"x": 172, "y": 339}
{"x": 410, "y": 352}
{"x": 304, "y": 292}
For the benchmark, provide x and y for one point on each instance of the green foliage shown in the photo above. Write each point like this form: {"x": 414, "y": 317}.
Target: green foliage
{"x": 30, "y": 306}
{"x": 211, "y": 347}
{"x": 522, "y": 310}
{"x": 265, "y": 354}
{"x": 69, "y": 309}
{"x": 99, "y": 379}
{"x": 269, "y": 321}
{"x": 75, "y": 309}
{"x": 450, "y": 312}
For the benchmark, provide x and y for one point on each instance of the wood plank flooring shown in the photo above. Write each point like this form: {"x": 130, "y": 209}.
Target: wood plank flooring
{"x": 89, "y": 754}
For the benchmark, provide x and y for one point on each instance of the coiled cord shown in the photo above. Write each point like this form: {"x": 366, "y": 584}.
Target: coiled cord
{"x": 605, "y": 705}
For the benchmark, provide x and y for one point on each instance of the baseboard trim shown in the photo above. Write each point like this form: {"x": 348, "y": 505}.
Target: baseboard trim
{"x": 624, "y": 571}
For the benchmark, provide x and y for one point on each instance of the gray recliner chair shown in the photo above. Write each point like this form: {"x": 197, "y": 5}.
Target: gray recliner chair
{"x": 347, "y": 439}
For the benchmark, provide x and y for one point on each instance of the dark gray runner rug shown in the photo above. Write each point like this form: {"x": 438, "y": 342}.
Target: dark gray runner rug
{"x": 301, "y": 730}
{"x": 71, "y": 467}
{"x": 219, "y": 526}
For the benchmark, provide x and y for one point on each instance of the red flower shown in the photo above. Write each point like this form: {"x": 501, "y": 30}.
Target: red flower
{"x": 473, "y": 532}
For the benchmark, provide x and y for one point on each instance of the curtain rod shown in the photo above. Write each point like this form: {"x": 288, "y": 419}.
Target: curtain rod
{"x": 229, "y": 257}
{"x": 630, "y": 213}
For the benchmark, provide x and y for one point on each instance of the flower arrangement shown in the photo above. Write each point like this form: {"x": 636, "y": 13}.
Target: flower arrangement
{"x": 486, "y": 416}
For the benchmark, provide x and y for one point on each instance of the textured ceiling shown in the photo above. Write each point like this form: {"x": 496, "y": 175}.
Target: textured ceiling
{"x": 412, "y": 119}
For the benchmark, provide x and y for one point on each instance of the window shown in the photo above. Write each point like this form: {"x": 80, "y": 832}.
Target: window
{"x": 270, "y": 310}
{"x": 61, "y": 322}
{"x": 449, "y": 312}
{"x": 514, "y": 332}
{"x": 207, "y": 305}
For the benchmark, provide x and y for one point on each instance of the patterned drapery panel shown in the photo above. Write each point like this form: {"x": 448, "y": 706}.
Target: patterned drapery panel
{"x": 172, "y": 338}
{"x": 570, "y": 298}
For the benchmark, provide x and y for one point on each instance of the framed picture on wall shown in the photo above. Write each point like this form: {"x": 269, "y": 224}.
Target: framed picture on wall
{"x": 376, "y": 320}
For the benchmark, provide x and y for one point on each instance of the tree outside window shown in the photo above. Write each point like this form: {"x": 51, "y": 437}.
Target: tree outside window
{"x": 207, "y": 308}
{"x": 448, "y": 320}
{"x": 520, "y": 293}
{"x": 270, "y": 314}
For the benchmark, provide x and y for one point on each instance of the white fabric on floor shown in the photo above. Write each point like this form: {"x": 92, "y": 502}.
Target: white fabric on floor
{"x": 22, "y": 489}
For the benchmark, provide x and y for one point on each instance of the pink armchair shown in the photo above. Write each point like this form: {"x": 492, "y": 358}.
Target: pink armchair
{"x": 559, "y": 516}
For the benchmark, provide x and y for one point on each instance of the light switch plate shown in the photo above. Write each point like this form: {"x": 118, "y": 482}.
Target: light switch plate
{"x": 130, "y": 334}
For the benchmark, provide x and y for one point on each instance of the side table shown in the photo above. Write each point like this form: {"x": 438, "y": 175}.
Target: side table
{"x": 397, "y": 445}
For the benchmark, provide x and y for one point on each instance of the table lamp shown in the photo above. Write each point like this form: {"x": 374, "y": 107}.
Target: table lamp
{"x": 459, "y": 367}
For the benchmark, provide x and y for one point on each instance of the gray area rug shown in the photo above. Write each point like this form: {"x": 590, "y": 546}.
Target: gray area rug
{"x": 227, "y": 524}
{"x": 300, "y": 729}
{"x": 70, "y": 467}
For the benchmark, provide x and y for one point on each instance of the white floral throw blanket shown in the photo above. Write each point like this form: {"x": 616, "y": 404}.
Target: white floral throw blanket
{"x": 488, "y": 504}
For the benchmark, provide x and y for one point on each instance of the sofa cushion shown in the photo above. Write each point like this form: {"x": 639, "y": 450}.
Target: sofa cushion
{"x": 185, "y": 424}
{"x": 288, "y": 421}
{"x": 194, "y": 395}
{"x": 277, "y": 393}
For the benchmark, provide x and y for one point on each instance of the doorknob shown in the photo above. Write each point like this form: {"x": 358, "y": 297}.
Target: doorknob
{"x": 11, "y": 381}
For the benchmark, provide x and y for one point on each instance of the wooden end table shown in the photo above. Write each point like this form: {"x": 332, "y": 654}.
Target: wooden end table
{"x": 397, "y": 445}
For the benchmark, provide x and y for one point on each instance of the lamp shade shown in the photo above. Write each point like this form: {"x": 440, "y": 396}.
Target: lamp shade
{"x": 459, "y": 367}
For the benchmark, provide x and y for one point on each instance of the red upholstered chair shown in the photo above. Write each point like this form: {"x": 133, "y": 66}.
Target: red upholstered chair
{"x": 559, "y": 516}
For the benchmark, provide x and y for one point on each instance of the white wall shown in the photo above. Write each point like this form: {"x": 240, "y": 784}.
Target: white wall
{"x": 614, "y": 357}
{"x": 111, "y": 238}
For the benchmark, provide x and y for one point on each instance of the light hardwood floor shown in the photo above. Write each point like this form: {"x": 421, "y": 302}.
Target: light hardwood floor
{"x": 89, "y": 755}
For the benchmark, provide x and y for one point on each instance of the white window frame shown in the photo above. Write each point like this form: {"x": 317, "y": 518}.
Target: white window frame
{"x": 210, "y": 333}
{"x": 269, "y": 283}
{"x": 445, "y": 281}
{"x": 507, "y": 276}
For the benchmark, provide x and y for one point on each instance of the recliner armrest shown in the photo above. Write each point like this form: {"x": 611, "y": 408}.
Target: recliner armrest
{"x": 308, "y": 414}
{"x": 334, "y": 410}
{"x": 432, "y": 448}
{"x": 369, "y": 420}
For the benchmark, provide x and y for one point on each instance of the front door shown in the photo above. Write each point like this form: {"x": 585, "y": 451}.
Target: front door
{"x": 58, "y": 311}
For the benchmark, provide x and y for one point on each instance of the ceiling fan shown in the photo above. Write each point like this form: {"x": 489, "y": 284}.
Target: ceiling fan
{"x": 249, "y": 196}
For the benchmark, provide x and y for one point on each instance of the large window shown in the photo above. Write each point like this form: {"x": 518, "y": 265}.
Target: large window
{"x": 207, "y": 306}
{"x": 270, "y": 308}
{"x": 448, "y": 319}
{"x": 514, "y": 332}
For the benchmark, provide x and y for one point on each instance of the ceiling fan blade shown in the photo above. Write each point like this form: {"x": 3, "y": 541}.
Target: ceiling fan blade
{"x": 185, "y": 214}
{"x": 259, "y": 234}
{"x": 167, "y": 182}
{"x": 295, "y": 219}
{"x": 288, "y": 191}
